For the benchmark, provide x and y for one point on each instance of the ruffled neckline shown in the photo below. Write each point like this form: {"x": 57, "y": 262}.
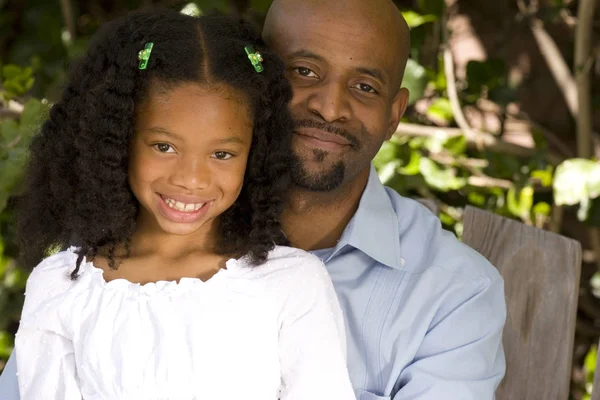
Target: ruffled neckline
{"x": 234, "y": 268}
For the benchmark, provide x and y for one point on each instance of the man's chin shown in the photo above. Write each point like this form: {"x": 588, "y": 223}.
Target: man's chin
{"x": 318, "y": 178}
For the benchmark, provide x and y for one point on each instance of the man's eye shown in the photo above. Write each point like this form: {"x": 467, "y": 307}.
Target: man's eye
{"x": 305, "y": 72}
{"x": 365, "y": 88}
{"x": 164, "y": 148}
{"x": 222, "y": 155}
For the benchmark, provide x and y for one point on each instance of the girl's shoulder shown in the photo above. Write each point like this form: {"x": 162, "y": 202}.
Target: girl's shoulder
{"x": 285, "y": 261}
{"x": 287, "y": 270}
{"x": 54, "y": 272}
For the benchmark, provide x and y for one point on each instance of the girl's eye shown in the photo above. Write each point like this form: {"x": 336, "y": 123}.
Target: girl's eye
{"x": 222, "y": 155}
{"x": 164, "y": 148}
{"x": 365, "y": 88}
{"x": 305, "y": 72}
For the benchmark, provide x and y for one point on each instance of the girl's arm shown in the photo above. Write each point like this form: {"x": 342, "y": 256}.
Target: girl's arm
{"x": 44, "y": 351}
{"x": 312, "y": 342}
{"x": 45, "y": 365}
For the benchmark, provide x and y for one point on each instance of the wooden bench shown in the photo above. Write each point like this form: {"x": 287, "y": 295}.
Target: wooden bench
{"x": 541, "y": 272}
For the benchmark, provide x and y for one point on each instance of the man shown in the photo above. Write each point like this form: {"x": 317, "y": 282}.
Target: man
{"x": 424, "y": 313}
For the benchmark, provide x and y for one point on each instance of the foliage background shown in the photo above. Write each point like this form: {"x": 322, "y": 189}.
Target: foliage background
{"x": 494, "y": 120}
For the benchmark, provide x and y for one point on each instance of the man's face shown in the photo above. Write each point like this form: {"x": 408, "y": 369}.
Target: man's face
{"x": 346, "y": 95}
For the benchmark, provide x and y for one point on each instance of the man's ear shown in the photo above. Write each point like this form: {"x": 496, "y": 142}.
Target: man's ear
{"x": 399, "y": 105}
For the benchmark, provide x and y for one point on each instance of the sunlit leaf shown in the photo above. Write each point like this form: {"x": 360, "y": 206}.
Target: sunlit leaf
{"x": 441, "y": 109}
{"x": 544, "y": 176}
{"x": 577, "y": 181}
{"x": 438, "y": 178}
{"x": 415, "y": 80}
{"x": 477, "y": 199}
{"x": 542, "y": 208}
{"x": 413, "y": 165}
{"x": 389, "y": 171}
{"x": 414, "y": 19}
{"x": 192, "y": 10}
{"x": 388, "y": 152}
{"x": 520, "y": 203}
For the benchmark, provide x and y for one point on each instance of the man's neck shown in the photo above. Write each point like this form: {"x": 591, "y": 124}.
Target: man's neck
{"x": 316, "y": 220}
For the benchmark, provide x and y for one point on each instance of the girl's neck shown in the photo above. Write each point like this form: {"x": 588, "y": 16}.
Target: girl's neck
{"x": 149, "y": 238}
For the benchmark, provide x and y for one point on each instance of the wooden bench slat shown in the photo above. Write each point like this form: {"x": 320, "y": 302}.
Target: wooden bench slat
{"x": 541, "y": 272}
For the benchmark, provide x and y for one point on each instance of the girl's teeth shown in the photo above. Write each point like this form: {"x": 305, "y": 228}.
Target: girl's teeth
{"x": 179, "y": 206}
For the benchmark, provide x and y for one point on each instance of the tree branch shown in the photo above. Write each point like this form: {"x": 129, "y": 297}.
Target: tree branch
{"x": 67, "y": 12}
{"x": 556, "y": 63}
{"x": 474, "y": 139}
{"x": 583, "y": 51}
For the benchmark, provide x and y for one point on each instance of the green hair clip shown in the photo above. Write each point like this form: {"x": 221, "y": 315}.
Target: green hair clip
{"x": 144, "y": 55}
{"x": 255, "y": 58}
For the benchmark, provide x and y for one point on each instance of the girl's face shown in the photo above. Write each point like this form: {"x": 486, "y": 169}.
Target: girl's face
{"x": 188, "y": 156}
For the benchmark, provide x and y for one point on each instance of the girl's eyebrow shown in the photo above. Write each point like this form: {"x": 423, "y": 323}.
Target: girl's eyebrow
{"x": 162, "y": 131}
{"x": 232, "y": 139}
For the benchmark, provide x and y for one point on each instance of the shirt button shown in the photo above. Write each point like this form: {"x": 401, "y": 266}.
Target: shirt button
{"x": 402, "y": 262}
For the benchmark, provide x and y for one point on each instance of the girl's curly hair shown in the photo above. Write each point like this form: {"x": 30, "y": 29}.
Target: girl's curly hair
{"x": 77, "y": 191}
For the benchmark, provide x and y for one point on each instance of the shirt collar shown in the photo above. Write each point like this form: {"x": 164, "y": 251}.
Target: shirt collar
{"x": 374, "y": 227}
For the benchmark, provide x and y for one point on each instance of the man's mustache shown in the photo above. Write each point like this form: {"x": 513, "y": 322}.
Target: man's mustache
{"x": 325, "y": 127}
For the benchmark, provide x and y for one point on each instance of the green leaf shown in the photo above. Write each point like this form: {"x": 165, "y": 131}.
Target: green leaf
{"x": 544, "y": 176}
{"x": 11, "y": 71}
{"x": 415, "y": 80}
{"x": 413, "y": 166}
{"x": 542, "y": 208}
{"x": 387, "y": 153}
{"x": 414, "y": 19}
{"x": 577, "y": 181}
{"x": 9, "y": 131}
{"x": 457, "y": 145}
{"x": 519, "y": 204}
{"x": 34, "y": 113}
{"x": 6, "y": 345}
{"x": 477, "y": 199}
{"x": 438, "y": 178}
{"x": 389, "y": 171}
{"x": 590, "y": 359}
{"x": 441, "y": 109}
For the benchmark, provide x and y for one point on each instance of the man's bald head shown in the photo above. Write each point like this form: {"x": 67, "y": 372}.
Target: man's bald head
{"x": 379, "y": 19}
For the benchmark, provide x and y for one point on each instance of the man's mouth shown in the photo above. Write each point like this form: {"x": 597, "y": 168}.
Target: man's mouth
{"x": 322, "y": 138}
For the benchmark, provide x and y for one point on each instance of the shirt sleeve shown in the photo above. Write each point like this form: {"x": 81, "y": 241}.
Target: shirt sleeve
{"x": 461, "y": 356}
{"x": 9, "y": 386}
{"x": 312, "y": 343}
{"x": 44, "y": 349}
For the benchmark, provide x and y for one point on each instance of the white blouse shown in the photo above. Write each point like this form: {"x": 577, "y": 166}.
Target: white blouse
{"x": 269, "y": 332}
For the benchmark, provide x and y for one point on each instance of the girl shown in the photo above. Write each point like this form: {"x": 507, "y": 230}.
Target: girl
{"x": 166, "y": 165}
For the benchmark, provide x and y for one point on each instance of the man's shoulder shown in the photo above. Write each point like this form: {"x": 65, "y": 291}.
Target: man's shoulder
{"x": 427, "y": 247}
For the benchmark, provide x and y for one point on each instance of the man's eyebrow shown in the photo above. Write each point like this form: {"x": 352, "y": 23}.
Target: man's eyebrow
{"x": 374, "y": 72}
{"x": 307, "y": 54}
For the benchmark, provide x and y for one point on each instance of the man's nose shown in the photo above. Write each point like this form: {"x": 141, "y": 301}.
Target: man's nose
{"x": 331, "y": 102}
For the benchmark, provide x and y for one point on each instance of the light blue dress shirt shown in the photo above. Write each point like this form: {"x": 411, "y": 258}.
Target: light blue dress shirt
{"x": 424, "y": 313}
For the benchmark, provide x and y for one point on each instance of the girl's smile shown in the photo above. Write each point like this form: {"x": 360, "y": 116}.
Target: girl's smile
{"x": 178, "y": 209}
